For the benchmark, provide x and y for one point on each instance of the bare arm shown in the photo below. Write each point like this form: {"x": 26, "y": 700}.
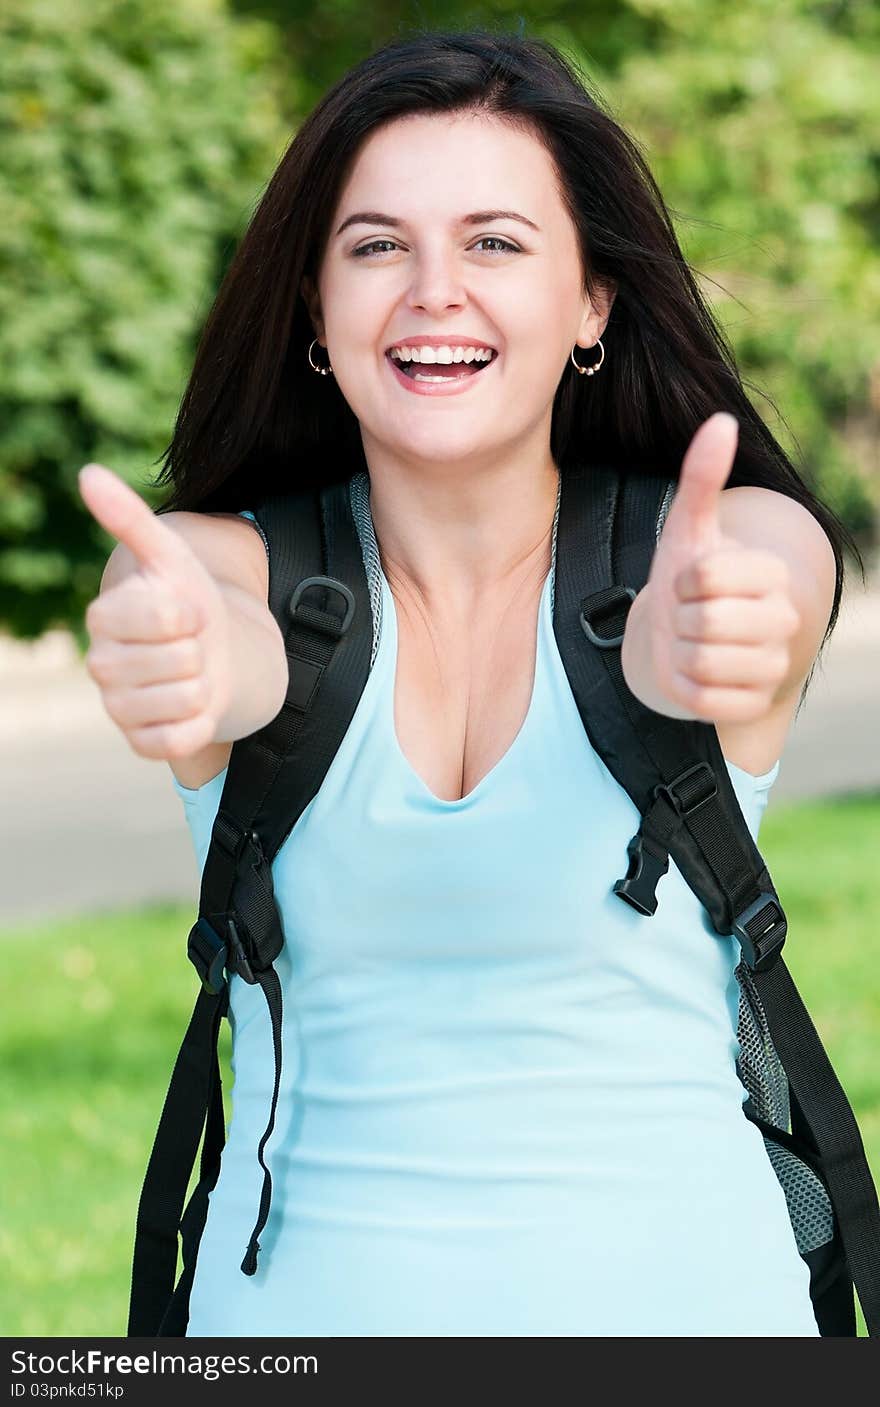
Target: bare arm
{"x": 257, "y": 647}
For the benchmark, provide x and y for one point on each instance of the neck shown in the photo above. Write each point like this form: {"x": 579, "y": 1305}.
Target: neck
{"x": 452, "y": 541}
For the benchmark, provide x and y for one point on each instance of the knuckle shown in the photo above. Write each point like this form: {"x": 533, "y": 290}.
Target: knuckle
{"x": 96, "y": 664}
{"x": 101, "y": 672}
{"x": 706, "y": 570}
{"x": 195, "y": 692}
{"x": 698, "y": 698}
{"x": 700, "y": 660}
{"x": 687, "y": 688}
{"x": 710, "y": 615}
{"x": 114, "y": 703}
{"x": 179, "y": 744}
{"x": 94, "y": 618}
{"x": 168, "y": 741}
{"x": 166, "y": 614}
{"x": 181, "y": 739}
{"x": 188, "y": 655}
{"x": 147, "y": 742}
{"x": 688, "y": 620}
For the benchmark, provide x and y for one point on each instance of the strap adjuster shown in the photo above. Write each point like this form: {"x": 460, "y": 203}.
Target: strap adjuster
{"x": 761, "y": 929}
{"x": 206, "y": 951}
{"x": 210, "y": 954}
{"x": 320, "y": 618}
{"x": 696, "y": 784}
{"x": 233, "y": 839}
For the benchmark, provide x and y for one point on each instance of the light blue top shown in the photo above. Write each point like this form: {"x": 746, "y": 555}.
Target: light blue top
{"x": 509, "y": 1104}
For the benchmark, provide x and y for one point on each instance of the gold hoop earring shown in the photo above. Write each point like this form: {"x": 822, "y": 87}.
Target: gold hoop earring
{"x": 324, "y": 370}
{"x": 589, "y": 370}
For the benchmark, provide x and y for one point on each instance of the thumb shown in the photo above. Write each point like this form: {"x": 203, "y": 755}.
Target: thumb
{"x": 705, "y": 470}
{"x": 125, "y": 515}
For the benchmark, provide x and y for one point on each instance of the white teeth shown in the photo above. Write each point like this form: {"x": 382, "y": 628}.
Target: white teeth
{"x": 446, "y": 354}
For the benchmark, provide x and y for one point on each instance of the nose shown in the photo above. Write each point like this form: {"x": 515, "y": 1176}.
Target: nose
{"x": 436, "y": 284}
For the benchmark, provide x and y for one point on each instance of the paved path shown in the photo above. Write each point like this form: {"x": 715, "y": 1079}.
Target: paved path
{"x": 88, "y": 825}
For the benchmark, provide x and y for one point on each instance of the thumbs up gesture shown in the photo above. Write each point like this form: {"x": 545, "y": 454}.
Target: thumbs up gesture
{"x": 717, "y": 616}
{"x": 160, "y": 650}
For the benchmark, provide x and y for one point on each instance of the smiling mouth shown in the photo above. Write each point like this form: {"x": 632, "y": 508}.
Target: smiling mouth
{"x": 436, "y": 372}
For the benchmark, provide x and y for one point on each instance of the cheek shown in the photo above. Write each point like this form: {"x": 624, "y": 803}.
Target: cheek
{"x": 534, "y": 370}
{"x": 540, "y": 325}
{"x": 355, "y": 307}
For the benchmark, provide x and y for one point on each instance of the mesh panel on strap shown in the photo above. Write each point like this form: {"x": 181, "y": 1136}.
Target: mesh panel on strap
{"x": 763, "y": 1076}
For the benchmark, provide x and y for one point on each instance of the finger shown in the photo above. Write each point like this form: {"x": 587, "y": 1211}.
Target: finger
{"x": 157, "y": 703}
{"x": 720, "y": 703}
{"x": 135, "y": 611}
{"x": 736, "y": 619}
{"x": 704, "y": 472}
{"x": 734, "y": 666}
{"x": 125, "y": 515}
{"x": 733, "y": 571}
{"x": 111, "y": 663}
{"x": 172, "y": 740}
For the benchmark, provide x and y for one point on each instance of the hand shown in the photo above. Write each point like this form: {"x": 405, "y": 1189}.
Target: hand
{"x": 160, "y": 650}
{"x": 718, "y": 616}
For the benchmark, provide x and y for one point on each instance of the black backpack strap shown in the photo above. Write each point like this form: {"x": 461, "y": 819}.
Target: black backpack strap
{"x": 674, "y": 772}
{"x": 823, "y": 1121}
{"x": 168, "y": 1172}
{"x": 272, "y": 776}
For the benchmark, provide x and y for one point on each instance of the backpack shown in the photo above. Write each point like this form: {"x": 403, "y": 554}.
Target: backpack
{"x": 325, "y": 602}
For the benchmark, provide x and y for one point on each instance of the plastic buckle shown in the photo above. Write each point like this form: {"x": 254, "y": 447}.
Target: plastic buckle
{"x": 612, "y": 604}
{"x": 668, "y": 789}
{"x": 761, "y": 948}
{"x": 240, "y": 963}
{"x": 206, "y": 951}
{"x": 210, "y": 955}
{"x": 339, "y": 627}
{"x": 641, "y": 879}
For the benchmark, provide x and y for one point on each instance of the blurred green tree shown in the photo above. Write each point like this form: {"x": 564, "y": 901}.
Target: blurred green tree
{"x": 136, "y": 135}
{"x": 761, "y": 122}
{"x": 139, "y": 135}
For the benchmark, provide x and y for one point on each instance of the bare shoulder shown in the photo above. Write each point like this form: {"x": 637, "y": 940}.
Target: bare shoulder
{"x": 231, "y": 547}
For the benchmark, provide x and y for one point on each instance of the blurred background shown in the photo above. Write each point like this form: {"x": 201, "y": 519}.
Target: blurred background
{"x": 137, "y": 138}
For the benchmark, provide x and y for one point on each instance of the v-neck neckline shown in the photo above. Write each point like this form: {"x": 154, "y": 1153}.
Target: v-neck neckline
{"x": 384, "y": 609}
{"x": 390, "y": 644}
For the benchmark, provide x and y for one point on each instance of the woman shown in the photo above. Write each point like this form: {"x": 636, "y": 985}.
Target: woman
{"x": 506, "y": 1109}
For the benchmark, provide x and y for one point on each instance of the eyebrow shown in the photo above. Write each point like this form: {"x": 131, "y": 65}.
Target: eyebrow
{"x": 477, "y": 217}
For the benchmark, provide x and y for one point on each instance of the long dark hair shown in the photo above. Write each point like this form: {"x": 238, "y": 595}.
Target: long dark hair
{"x": 255, "y": 419}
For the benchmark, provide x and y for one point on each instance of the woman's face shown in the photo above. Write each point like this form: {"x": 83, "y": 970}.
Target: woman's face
{"x": 417, "y": 265}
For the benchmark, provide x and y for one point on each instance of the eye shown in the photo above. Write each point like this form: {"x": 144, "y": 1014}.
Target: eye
{"x": 366, "y": 250}
{"x": 498, "y": 240}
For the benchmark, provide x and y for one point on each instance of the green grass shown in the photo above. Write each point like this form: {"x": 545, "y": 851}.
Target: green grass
{"x": 95, "y": 1008}
{"x": 94, "y": 1012}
